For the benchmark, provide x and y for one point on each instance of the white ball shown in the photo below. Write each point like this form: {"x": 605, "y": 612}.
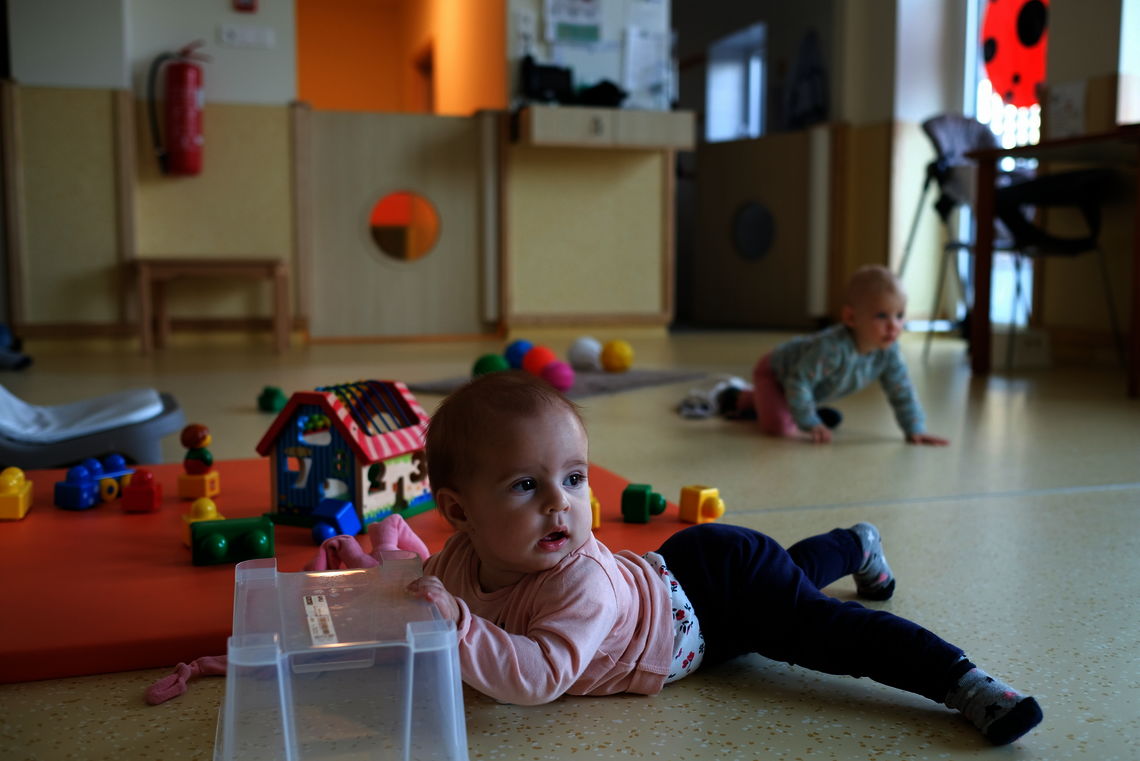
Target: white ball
{"x": 585, "y": 354}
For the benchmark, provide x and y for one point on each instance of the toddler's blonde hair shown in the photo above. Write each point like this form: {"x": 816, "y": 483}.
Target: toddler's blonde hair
{"x": 872, "y": 280}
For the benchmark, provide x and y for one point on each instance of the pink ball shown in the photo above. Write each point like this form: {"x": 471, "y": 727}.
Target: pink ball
{"x": 559, "y": 374}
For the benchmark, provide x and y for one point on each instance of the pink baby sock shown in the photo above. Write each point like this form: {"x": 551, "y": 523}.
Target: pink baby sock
{"x": 340, "y": 552}
{"x": 173, "y": 685}
{"x": 394, "y": 533}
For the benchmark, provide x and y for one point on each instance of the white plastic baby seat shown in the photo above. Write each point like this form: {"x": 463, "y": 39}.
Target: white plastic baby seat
{"x": 128, "y": 422}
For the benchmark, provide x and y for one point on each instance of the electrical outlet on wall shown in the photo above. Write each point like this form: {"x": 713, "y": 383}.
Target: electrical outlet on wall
{"x": 243, "y": 36}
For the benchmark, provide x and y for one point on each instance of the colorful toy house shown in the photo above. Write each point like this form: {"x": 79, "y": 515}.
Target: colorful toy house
{"x": 358, "y": 442}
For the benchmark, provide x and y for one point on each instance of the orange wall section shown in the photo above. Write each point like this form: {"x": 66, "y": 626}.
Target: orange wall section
{"x": 470, "y": 56}
{"x": 349, "y": 54}
{"x": 360, "y": 55}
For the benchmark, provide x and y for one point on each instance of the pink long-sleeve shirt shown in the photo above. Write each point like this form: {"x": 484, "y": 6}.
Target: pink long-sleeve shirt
{"x": 595, "y": 624}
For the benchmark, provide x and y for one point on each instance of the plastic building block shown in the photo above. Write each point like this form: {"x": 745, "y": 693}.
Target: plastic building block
{"x": 78, "y": 491}
{"x": 15, "y": 494}
{"x": 91, "y": 482}
{"x": 200, "y": 478}
{"x": 271, "y": 399}
{"x": 232, "y": 541}
{"x": 595, "y": 512}
{"x": 334, "y": 517}
{"x": 700, "y": 504}
{"x": 346, "y": 660}
{"x": 195, "y": 486}
{"x": 639, "y": 501}
{"x": 203, "y": 509}
{"x": 143, "y": 494}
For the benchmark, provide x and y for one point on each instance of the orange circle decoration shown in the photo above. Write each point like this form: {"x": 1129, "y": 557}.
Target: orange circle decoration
{"x": 1015, "y": 34}
{"x": 405, "y": 225}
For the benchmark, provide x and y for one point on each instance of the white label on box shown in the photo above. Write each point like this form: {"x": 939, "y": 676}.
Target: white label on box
{"x": 320, "y": 620}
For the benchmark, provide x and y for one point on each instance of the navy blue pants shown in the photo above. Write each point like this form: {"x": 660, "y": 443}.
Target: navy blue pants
{"x": 753, "y": 596}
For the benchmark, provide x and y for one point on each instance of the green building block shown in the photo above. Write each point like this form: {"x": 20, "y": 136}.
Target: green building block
{"x": 231, "y": 541}
{"x": 639, "y": 501}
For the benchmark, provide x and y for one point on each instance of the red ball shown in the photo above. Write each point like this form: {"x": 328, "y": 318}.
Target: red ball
{"x": 538, "y": 358}
{"x": 1015, "y": 35}
{"x": 559, "y": 374}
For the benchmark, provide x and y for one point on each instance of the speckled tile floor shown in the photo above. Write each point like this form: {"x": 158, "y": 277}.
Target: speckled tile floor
{"x": 1020, "y": 542}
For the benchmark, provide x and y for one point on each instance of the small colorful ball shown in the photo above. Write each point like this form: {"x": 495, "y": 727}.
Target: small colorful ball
{"x": 515, "y": 352}
{"x": 538, "y": 358}
{"x": 617, "y": 356}
{"x": 585, "y": 354}
{"x": 559, "y": 374}
{"x": 490, "y": 363}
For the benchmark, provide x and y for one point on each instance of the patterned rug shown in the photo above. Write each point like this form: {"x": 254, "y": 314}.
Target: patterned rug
{"x": 586, "y": 383}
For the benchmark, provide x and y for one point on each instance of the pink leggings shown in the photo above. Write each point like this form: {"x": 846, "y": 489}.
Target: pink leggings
{"x": 767, "y": 397}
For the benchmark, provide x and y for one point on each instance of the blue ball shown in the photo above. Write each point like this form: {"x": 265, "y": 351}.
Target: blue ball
{"x": 323, "y": 531}
{"x": 516, "y": 350}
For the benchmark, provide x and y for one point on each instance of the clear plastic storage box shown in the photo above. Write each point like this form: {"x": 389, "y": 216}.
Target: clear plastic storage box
{"x": 339, "y": 665}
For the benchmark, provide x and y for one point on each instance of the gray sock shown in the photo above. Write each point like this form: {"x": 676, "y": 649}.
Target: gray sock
{"x": 873, "y": 580}
{"x": 1002, "y": 713}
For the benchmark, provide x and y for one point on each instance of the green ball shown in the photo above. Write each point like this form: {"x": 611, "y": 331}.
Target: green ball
{"x": 490, "y": 363}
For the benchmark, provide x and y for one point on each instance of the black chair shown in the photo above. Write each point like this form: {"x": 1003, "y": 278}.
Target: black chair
{"x": 1017, "y": 196}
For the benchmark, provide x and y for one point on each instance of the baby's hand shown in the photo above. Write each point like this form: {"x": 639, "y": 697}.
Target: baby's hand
{"x": 926, "y": 438}
{"x": 820, "y": 434}
{"x": 431, "y": 589}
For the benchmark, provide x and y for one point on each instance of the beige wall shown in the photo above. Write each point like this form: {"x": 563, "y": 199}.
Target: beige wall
{"x": 69, "y": 265}
{"x": 239, "y": 206}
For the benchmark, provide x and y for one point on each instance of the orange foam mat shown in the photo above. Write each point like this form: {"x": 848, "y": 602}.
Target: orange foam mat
{"x": 100, "y": 590}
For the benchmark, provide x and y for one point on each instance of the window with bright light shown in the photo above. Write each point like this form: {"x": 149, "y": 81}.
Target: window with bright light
{"x": 735, "y": 87}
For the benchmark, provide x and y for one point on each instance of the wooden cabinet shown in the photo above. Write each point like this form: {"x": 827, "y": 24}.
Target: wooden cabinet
{"x": 577, "y": 126}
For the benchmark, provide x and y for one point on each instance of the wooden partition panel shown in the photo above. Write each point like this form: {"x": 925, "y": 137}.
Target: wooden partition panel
{"x": 587, "y": 236}
{"x": 769, "y": 289}
{"x": 358, "y": 292}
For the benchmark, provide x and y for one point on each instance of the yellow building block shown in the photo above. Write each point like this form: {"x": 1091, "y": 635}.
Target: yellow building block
{"x": 595, "y": 512}
{"x": 207, "y": 484}
{"x": 202, "y": 509}
{"x": 15, "y": 494}
{"x": 700, "y": 504}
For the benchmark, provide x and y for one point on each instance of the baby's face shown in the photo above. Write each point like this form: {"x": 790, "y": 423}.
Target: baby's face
{"x": 528, "y": 504}
{"x": 877, "y": 320}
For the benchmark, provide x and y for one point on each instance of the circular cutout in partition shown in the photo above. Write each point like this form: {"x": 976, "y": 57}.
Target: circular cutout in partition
{"x": 405, "y": 225}
{"x": 753, "y": 230}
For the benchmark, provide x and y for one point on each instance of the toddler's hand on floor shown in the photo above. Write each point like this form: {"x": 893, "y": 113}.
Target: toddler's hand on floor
{"x": 431, "y": 589}
{"x": 820, "y": 434}
{"x": 926, "y": 438}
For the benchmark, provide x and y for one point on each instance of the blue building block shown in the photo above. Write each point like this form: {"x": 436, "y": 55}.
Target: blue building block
{"x": 334, "y": 517}
{"x": 79, "y": 491}
{"x": 91, "y": 482}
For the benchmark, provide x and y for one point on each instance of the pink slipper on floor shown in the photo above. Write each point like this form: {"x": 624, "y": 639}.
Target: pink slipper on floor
{"x": 173, "y": 685}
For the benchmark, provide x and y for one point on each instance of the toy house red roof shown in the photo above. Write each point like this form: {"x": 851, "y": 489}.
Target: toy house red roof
{"x": 378, "y": 419}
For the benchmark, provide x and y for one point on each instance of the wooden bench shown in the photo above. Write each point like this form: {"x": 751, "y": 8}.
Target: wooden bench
{"x": 151, "y": 276}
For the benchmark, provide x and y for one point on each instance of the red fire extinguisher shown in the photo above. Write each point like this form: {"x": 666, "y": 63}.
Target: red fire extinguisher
{"x": 181, "y": 150}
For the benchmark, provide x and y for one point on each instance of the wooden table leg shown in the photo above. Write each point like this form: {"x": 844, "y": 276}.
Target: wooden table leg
{"x": 980, "y": 328}
{"x": 161, "y": 316}
{"x": 281, "y": 317}
{"x": 146, "y": 305}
